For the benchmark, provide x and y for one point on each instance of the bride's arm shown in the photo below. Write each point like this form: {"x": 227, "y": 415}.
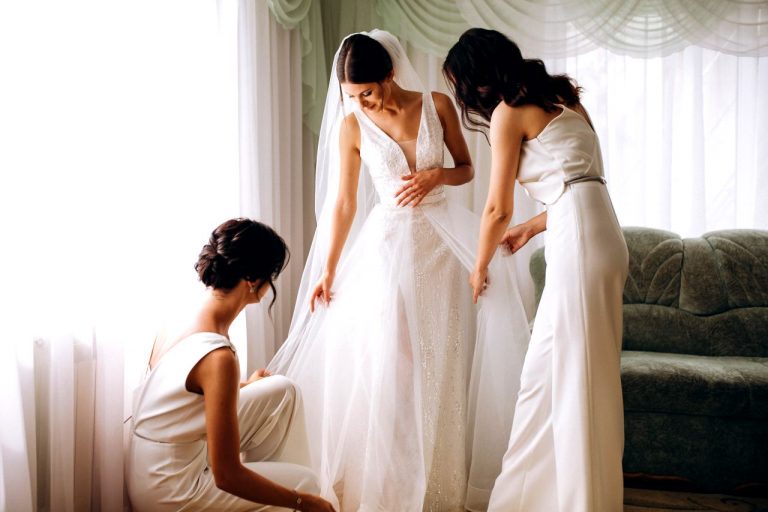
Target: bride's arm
{"x": 345, "y": 208}
{"x": 421, "y": 183}
{"x": 462, "y": 170}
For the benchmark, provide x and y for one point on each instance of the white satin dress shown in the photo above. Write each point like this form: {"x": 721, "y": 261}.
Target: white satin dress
{"x": 167, "y": 463}
{"x": 567, "y": 438}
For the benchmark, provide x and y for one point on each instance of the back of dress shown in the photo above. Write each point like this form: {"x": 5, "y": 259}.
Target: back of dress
{"x": 168, "y": 434}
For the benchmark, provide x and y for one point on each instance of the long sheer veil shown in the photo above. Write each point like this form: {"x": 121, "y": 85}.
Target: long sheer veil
{"x": 327, "y": 185}
{"x": 502, "y": 328}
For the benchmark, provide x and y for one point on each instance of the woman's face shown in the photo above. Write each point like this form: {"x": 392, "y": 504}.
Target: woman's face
{"x": 369, "y": 96}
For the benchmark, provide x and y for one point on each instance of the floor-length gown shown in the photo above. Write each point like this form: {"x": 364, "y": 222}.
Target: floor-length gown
{"x": 567, "y": 437}
{"x": 384, "y": 369}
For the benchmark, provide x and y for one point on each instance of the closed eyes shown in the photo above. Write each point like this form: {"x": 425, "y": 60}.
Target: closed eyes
{"x": 364, "y": 94}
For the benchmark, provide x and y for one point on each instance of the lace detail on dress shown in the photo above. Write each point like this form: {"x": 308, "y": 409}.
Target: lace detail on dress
{"x": 440, "y": 319}
{"x": 386, "y": 161}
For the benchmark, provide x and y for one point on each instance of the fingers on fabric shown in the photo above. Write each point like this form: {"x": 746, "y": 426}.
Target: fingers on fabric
{"x": 321, "y": 294}
{"x": 316, "y": 294}
{"x": 409, "y": 198}
{"x": 406, "y": 186}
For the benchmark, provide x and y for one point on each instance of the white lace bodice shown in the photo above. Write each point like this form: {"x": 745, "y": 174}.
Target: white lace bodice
{"x": 386, "y": 161}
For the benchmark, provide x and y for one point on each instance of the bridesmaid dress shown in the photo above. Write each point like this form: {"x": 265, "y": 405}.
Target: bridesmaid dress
{"x": 567, "y": 438}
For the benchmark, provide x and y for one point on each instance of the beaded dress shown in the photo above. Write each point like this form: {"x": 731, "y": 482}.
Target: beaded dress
{"x": 399, "y": 415}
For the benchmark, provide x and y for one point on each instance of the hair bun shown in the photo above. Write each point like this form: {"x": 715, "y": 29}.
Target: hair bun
{"x": 209, "y": 264}
{"x": 241, "y": 249}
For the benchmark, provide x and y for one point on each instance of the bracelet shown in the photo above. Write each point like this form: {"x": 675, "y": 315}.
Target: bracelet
{"x": 297, "y": 508}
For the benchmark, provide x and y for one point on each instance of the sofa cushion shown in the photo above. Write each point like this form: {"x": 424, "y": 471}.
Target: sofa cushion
{"x": 706, "y": 295}
{"x": 737, "y": 332}
{"x": 742, "y": 259}
{"x": 695, "y": 385}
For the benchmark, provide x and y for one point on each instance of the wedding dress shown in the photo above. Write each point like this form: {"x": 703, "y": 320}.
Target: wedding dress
{"x": 395, "y": 422}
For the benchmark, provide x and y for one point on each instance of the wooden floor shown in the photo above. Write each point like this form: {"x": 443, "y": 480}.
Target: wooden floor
{"x": 646, "y": 500}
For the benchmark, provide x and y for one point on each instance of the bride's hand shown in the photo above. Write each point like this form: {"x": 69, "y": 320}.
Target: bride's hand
{"x": 322, "y": 291}
{"x": 418, "y": 185}
{"x": 478, "y": 280}
{"x": 516, "y": 237}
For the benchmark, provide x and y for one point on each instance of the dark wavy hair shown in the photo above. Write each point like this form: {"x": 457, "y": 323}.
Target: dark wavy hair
{"x": 362, "y": 60}
{"x": 242, "y": 249}
{"x": 484, "y": 68}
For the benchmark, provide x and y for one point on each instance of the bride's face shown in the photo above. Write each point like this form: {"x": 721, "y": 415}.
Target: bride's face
{"x": 370, "y": 96}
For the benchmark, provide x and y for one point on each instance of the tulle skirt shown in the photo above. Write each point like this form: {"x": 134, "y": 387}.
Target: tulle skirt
{"x": 395, "y": 421}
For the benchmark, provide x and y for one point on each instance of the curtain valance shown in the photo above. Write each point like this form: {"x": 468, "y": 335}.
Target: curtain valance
{"x": 542, "y": 28}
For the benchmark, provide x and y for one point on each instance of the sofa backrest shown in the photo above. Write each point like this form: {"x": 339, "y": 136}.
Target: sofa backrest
{"x": 706, "y": 295}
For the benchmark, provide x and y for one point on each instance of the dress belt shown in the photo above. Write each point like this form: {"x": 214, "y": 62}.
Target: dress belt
{"x": 582, "y": 179}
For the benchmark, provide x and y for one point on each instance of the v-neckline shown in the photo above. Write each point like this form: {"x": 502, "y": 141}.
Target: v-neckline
{"x": 397, "y": 144}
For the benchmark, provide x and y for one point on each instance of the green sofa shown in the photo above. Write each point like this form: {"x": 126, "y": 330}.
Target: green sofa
{"x": 694, "y": 365}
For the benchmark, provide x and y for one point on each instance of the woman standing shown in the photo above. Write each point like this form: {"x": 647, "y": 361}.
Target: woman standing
{"x": 567, "y": 438}
{"x": 384, "y": 364}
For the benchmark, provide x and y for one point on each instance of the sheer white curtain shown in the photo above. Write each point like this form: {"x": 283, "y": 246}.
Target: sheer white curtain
{"x": 128, "y": 132}
{"x": 681, "y": 135}
{"x": 118, "y": 148}
{"x": 558, "y": 28}
{"x": 272, "y": 182}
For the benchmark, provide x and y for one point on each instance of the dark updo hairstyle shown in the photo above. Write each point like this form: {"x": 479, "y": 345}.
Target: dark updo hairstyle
{"x": 362, "y": 60}
{"x": 242, "y": 249}
{"x": 484, "y": 67}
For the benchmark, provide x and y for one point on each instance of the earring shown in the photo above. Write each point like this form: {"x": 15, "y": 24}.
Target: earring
{"x": 254, "y": 289}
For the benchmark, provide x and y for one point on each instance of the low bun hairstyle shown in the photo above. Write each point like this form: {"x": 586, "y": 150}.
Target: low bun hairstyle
{"x": 484, "y": 68}
{"x": 242, "y": 249}
{"x": 362, "y": 60}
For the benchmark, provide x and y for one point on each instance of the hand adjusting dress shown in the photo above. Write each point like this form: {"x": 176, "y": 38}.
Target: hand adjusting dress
{"x": 167, "y": 463}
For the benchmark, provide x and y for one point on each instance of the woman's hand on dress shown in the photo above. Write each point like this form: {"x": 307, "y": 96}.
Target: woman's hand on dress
{"x": 257, "y": 375}
{"x": 322, "y": 291}
{"x": 478, "y": 280}
{"x": 516, "y": 237}
{"x": 418, "y": 185}
{"x": 313, "y": 503}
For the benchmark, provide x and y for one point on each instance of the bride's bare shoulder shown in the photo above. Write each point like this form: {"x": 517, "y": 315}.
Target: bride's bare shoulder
{"x": 350, "y": 131}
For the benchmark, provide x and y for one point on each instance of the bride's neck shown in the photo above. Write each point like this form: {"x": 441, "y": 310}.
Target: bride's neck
{"x": 398, "y": 98}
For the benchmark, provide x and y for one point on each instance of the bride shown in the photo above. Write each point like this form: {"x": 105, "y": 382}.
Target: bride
{"x": 384, "y": 360}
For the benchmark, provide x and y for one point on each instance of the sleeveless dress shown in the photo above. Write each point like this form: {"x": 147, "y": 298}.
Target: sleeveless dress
{"x": 384, "y": 368}
{"x": 567, "y": 438}
{"x": 167, "y": 463}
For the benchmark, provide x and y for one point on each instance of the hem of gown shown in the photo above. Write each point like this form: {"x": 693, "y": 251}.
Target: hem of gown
{"x": 477, "y": 499}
